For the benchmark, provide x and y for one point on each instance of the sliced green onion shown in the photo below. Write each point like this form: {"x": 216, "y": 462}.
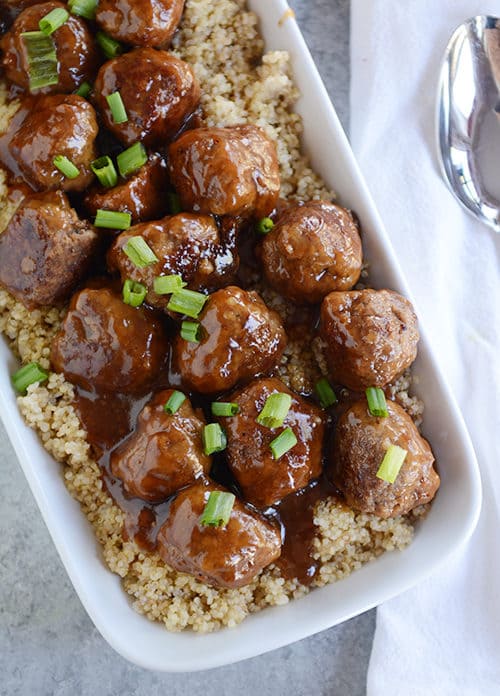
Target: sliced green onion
{"x": 224, "y": 409}
{"x": 66, "y": 166}
{"x": 131, "y": 159}
{"x": 53, "y": 20}
{"x": 139, "y": 252}
{"x": 42, "y": 59}
{"x": 28, "y": 374}
{"x": 377, "y": 404}
{"x": 275, "y": 410}
{"x": 166, "y": 285}
{"x": 214, "y": 438}
{"x": 174, "y": 203}
{"x": 191, "y": 331}
{"x": 391, "y": 463}
{"x": 175, "y": 401}
{"x": 113, "y": 219}
{"x": 108, "y": 46}
{"x": 187, "y": 302}
{"x": 105, "y": 171}
{"x": 84, "y": 90}
{"x": 83, "y": 8}
{"x": 325, "y": 393}
{"x": 117, "y": 107}
{"x": 134, "y": 293}
{"x": 265, "y": 225}
{"x": 218, "y": 509}
{"x": 284, "y": 442}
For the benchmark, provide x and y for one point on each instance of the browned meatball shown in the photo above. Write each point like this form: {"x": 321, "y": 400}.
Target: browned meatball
{"x": 313, "y": 249}
{"x": 57, "y": 125}
{"x": 106, "y": 345}
{"x": 361, "y": 441}
{"x": 228, "y": 556}
{"x": 164, "y": 453}
{"x": 140, "y": 22}
{"x": 262, "y": 479}
{"x": 10, "y": 9}
{"x": 45, "y": 250}
{"x": 371, "y": 336}
{"x": 196, "y": 247}
{"x": 241, "y": 338}
{"x": 142, "y": 195}
{"x": 226, "y": 171}
{"x": 168, "y": 89}
{"x": 76, "y": 53}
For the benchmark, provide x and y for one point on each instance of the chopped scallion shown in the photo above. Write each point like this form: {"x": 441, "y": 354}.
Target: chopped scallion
{"x": 134, "y": 293}
{"x": 66, "y": 166}
{"x": 131, "y": 159}
{"x": 83, "y": 8}
{"x": 283, "y": 443}
{"x": 53, "y": 20}
{"x": 391, "y": 463}
{"x": 139, "y": 252}
{"x": 42, "y": 59}
{"x": 28, "y": 374}
{"x": 105, "y": 171}
{"x": 377, "y": 404}
{"x": 265, "y": 225}
{"x": 113, "y": 219}
{"x": 275, "y": 410}
{"x": 174, "y": 203}
{"x": 84, "y": 90}
{"x": 166, "y": 285}
{"x": 108, "y": 45}
{"x": 217, "y": 511}
{"x": 191, "y": 331}
{"x": 175, "y": 401}
{"x": 117, "y": 107}
{"x": 224, "y": 409}
{"x": 187, "y": 302}
{"x": 214, "y": 438}
{"x": 325, "y": 393}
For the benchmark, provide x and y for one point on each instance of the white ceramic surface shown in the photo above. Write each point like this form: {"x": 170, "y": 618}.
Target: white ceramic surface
{"x": 449, "y": 524}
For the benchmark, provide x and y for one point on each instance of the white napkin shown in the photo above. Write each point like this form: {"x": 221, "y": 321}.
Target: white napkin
{"x": 443, "y": 637}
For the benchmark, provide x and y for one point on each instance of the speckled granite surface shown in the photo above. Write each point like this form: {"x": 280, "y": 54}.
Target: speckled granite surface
{"x": 48, "y": 645}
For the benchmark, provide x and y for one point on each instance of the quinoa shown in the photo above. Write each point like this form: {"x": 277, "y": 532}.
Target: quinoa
{"x": 240, "y": 83}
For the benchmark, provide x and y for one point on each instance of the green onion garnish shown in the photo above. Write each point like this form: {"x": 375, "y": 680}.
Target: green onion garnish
{"x": 66, "y": 166}
{"x": 108, "y": 46}
{"x": 191, "y": 331}
{"x": 117, "y": 107}
{"x": 224, "y": 409}
{"x": 174, "y": 402}
{"x": 391, "y": 463}
{"x": 377, "y": 404}
{"x": 187, "y": 302}
{"x": 275, "y": 410}
{"x": 83, "y": 8}
{"x": 113, "y": 219}
{"x": 84, "y": 90}
{"x": 218, "y": 509}
{"x": 284, "y": 442}
{"x": 105, "y": 171}
{"x": 28, "y": 374}
{"x": 265, "y": 225}
{"x": 139, "y": 252}
{"x": 214, "y": 438}
{"x": 134, "y": 293}
{"x": 132, "y": 159}
{"x": 325, "y": 393}
{"x": 42, "y": 59}
{"x": 53, "y": 20}
{"x": 174, "y": 203}
{"x": 166, "y": 285}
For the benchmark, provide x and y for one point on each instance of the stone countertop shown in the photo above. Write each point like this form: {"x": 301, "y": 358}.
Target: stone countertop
{"x": 49, "y": 646}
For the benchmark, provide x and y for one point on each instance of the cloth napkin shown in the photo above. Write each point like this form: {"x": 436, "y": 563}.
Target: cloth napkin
{"x": 442, "y": 637}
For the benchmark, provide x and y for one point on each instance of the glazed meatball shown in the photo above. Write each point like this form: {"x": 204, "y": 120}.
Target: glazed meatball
{"x": 262, "y": 479}
{"x": 142, "y": 195}
{"x": 226, "y": 171}
{"x": 240, "y": 339}
{"x": 45, "y": 250}
{"x": 105, "y": 345}
{"x": 313, "y": 249}
{"x": 196, "y": 247}
{"x": 371, "y": 336}
{"x": 228, "y": 556}
{"x": 57, "y": 125}
{"x": 164, "y": 453}
{"x": 140, "y": 22}
{"x": 168, "y": 89}
{"x": 361, "y": 441}
{"x": 76, "y": 53}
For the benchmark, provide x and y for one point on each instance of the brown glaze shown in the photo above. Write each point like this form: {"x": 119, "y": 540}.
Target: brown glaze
{"x": 140, "y": 22}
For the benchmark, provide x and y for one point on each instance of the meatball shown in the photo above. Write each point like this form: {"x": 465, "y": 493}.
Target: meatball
{"x": 76, "y": 53}
{"x": 361, "y": 441}
{"x": 57, "y": 125}
{"x": 45, "y": 250}
{"x": 313, "y": 249}
{"x": 371, "y": 336}
{"x": 226, "y": 171}
{"x": 240, "y": 339}
{"x": 168, "y": 89}
{"x": 142, "y": 195}
{"x": 105, "y": 345}
{"x": 228, "y": 556}
{"x": 140, "y": 22}
{"x": 262, "y": 479}
{"x": 196, "y": 247}
{"x": 164, "y": 453}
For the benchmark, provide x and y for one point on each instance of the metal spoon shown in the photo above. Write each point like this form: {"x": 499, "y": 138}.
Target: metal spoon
{"x": 469, "y": 90}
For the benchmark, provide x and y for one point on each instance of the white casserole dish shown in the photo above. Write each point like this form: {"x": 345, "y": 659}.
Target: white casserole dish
{"x": 449, "y": 524}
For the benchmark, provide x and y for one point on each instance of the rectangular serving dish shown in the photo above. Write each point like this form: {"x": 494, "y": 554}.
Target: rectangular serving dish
{"x": 449, "y": 524}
